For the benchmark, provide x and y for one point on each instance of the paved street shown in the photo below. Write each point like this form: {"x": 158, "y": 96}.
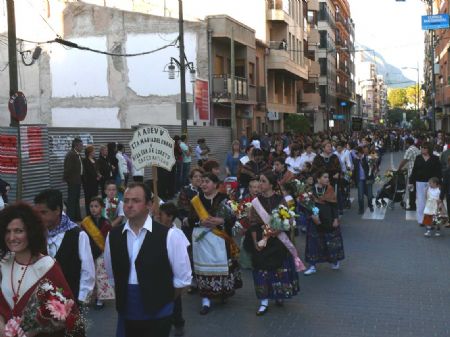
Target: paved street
{"x": 394, "y": 282}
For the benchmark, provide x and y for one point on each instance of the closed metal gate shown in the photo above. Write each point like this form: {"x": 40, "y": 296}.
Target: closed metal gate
{"x": 35, "y": 160}
{"x": 44, "y": 149}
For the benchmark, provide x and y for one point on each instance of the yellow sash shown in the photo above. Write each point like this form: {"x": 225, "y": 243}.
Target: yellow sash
{"x": 203, "y": 214}
{"x": 93, "y": 231}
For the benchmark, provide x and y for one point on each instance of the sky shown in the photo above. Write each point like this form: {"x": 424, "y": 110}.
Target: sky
{"x": 393, "y": 29}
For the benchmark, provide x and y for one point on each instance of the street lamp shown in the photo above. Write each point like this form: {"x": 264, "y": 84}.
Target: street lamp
{"x": 418, "y": 87}
{"x": 175, "y": 66}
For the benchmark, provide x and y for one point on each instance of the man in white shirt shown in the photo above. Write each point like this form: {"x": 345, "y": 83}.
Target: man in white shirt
{"x": 148, "y": 265}
{"x": 64, "y": 239}
{"x": 122, "y": 163}
{"x": 307, "y": 156}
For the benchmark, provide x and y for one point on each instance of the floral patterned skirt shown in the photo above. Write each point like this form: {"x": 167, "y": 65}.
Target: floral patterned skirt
{"x": 220, "y": 286}
{"x": 103, "y": 289}
{"x": 277, "y": 284}
{"x": 323, "y": 246}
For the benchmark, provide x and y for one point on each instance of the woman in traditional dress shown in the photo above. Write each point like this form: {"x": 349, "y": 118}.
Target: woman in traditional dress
{"x": 215, "y": 253}
{"x": 323, "y": 234}
{"x": 274, "y": 271}
{"x": 97, "y": 228}
{"x": 28, "y": 277}
{"x": 184, "y": 207}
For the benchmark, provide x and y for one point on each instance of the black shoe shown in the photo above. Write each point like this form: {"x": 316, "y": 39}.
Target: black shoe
{"x": 262, "y": 312}
{"x": 192, "y": 290}
{"x": 99, "y": 306}
{"x": 205, "y": 310}
{"x": 410, "y": 209}
{"x": 371, "y": 209}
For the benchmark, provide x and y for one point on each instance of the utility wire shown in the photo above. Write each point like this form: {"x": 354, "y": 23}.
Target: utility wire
{"x": 70, "y": 44}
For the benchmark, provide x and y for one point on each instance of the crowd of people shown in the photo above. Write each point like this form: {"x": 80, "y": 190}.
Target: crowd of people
{"x": 277, "y": 193}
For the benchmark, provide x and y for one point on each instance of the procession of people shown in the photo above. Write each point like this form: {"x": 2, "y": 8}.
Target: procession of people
{"x": 275, "y": 207}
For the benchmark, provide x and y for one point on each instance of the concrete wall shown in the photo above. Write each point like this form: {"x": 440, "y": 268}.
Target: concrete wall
{"x": 71, "y": 87}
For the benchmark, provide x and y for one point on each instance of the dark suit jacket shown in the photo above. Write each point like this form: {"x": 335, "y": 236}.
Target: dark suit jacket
{"x": 72, "y": 168}
{"x": 365, "y": 166}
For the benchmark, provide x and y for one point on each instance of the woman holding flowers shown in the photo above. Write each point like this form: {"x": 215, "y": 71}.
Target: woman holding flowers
{"x": 35, "y": 299}
{"x": 323, "y": 234}
{"x": 215, "y": 253}
{"x": 274, "y": 270}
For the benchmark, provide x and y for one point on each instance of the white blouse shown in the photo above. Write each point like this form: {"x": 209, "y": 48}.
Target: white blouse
{"x": 32, "y": 275}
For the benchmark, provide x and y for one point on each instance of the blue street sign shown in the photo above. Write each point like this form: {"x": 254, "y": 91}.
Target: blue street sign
{"x": 343, "y": 104}
{"x": 438, "y": 21}
{"x": 339, "y": 117}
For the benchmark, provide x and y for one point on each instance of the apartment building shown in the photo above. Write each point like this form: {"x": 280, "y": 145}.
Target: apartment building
{"x": 442, "y": 71}
{"x": 310, "y": 99}
{"x": 279, "y": 27}
{"x": 286, "y": 62}
{"x": 345, "y": 64}
{"x": 327, "y": 59}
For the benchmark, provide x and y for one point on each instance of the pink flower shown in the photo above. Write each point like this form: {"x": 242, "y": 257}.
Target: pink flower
{"x": 59, "y": 310}
{"x": 13, "y": 329}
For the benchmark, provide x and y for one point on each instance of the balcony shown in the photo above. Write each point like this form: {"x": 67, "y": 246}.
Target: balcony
{"x": 279, "y": 59}
{"x": 313, "y": 5}
{"x": 313, "y": 69}
{"x": 313, "y": 35}
{"x": 244, "y": 93}
{"x": 311, "y": 99}
{"x": 342, "y": 91}
{"x": 278, "y": 10}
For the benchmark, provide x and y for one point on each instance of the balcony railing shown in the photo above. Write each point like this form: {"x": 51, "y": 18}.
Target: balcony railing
{"x": 279, "y": 5}
{"x": 222, "y": 87}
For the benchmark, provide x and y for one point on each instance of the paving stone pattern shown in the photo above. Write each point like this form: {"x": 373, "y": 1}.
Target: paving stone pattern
{"x": 393, "y": 282}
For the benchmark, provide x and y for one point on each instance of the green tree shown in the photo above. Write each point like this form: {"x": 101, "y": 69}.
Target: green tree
{"x": 411, "y": 95}
{"x": 297, "y": 124}
{"x": 418, "y": 124}
{"x": 397, "y": 98}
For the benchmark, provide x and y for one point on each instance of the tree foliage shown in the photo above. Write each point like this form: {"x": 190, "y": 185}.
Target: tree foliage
{"x": 402, "y": 98}
{"x": 297, "y": 124}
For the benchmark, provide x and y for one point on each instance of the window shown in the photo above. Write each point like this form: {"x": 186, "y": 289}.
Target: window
{"x": 223, "y": 122}
{"x": 323, "y": 93}
{"x": 323, "y": 39}
{"x": 251, "y": 73}
{"x": 323, "y": 66}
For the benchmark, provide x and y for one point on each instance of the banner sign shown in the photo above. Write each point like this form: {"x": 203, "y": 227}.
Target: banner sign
{"x": 152, "y": 146}
{"x": 202, "y": 99}
{"x": 438, "y": 21}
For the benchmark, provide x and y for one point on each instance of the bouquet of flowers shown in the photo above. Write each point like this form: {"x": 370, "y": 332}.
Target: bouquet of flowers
{"x": 112, "y": 209}
{"x": 48, "y": 311}
{"x": 348, "y": 175}
{"x": 306, "y": 200}
{"x": 280, "y": 220}
{"x": 372, "y": 160}
{"x": 240, "y": 211}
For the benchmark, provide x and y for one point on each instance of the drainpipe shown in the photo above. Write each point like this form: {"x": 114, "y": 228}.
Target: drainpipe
{"x": 210, "y": 77}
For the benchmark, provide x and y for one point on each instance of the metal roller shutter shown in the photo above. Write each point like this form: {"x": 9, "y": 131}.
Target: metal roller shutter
{"x": 8, "y": 149}
{"x": 35, "y": 160}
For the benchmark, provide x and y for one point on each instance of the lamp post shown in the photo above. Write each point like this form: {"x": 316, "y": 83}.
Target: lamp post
{"x": 417, "y": 91}
{"x": 182, "y": 65}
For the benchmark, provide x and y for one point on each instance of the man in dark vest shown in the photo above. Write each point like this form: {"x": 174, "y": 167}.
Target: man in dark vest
{"x": 67, "y": 244}
{"x": 73, "y": 170}
{"x": 148, "y": 265}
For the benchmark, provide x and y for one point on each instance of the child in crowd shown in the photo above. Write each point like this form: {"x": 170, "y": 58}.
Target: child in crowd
{"x": 304, "y": 216}
{"x": 167, "y": 214}
{"x": 113, "y": 207}
{"x": 97, "y": 227}
{"x": 433, "y": 206}
{"x": 253, "y": 191}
